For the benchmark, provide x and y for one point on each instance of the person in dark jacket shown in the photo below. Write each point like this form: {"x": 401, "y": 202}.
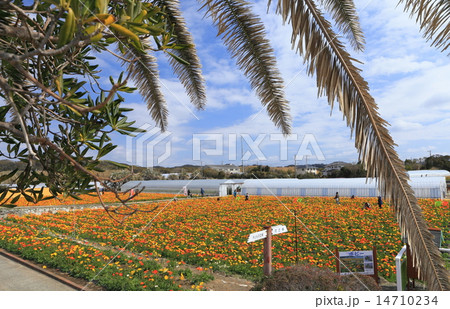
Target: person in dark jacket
{"x": 336, "y": 197}
{"x": 380, "y": 201}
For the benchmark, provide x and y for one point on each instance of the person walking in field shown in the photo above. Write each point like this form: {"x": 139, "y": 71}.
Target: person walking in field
{"x": 380, "y": 201}
{"x": 246, "y": 196}
{"x": 336, "y": 197}
{"x": 202, "y": 192}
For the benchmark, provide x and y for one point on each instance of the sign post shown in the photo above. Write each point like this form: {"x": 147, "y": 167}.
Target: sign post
{"x": 266, "y": 234}
{"x": 268, "y": 252}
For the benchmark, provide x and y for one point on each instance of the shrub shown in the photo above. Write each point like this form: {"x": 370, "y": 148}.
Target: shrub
{"x": 310, "y": 278}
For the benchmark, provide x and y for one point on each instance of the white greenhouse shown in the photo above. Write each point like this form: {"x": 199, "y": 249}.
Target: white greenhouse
{"x": 210, "y": 186}
{"x": 429, "y": 173}
{"x": 424, "y": 187}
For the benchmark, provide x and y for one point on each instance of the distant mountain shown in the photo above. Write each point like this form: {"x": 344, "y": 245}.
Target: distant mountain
{"x": 9, "y": 165}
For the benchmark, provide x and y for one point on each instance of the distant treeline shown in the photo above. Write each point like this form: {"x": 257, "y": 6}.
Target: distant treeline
{"x": 432, "y": 162}
{"x": 118, "y": 170}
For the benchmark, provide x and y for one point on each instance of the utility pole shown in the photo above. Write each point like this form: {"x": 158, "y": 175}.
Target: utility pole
{"x": 242, "y": 156}
{"x": 296, "y": 238}
{"x": 295, "y": 166}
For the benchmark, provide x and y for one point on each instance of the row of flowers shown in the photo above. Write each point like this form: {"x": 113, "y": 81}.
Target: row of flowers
{"x": 107, "y": 197}
{"x": 213, "y": 233}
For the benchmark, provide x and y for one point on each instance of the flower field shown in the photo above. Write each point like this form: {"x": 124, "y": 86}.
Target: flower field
{"x": 210, "y": 234}
{"x": 111, "y": 270}
{"x": 107, "y": 197}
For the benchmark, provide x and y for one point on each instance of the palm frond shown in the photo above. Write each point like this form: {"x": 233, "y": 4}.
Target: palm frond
{"x": 244, "y": 35}
{"x": 433, "y": 17}
{"x": 344, "y": 14}
{"x": 189, "y": 75}
{"x": 339, "y": 79}
{"x": 144, "y": 72}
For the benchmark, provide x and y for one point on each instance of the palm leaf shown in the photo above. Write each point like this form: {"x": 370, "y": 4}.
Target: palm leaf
{"x": 189, "y": 75}
{"x": 244, "y": 35}
{"x": 344, "y": 14}
{"x": 434, "y": 19}
{"x": 144, "y": 72}
{"x": 339, "y": 79}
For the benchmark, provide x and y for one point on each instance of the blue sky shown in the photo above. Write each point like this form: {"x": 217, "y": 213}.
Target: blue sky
{"x": 409, "y": 79}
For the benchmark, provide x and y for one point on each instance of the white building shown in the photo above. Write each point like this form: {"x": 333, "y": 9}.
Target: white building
{"x": 335, "y": 166}
{"x": 227, "y": 168}
{"x": 302, "y": 170}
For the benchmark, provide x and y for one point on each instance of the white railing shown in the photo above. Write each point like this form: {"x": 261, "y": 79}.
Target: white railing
{"x": 398, "y": 265}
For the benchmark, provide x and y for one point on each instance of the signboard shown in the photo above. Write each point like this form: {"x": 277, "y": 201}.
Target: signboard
{"x": 437, "y": 235}
{"x": 257, "y": 236}
{"x": 277, "y": 229}
{"x": 361, "y": 262}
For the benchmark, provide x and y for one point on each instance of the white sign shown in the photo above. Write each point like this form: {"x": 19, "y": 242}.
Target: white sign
{"x": 257, "y": 236}
{"x": 277, "y": 229}
{"x": 357, "y": 262}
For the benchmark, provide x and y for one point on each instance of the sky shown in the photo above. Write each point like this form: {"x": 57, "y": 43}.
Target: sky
{"x": 409, "y": 79}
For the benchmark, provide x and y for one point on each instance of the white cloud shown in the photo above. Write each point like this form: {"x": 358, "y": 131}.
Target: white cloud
{"x": 387, "y": 66}
{"x": 408, "y": 78}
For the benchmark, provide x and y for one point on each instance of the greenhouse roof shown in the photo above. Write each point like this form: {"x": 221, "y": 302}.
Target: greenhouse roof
{"x": 334, "y": 182}
{"x": 429, "y": 173}
{"x": 179, "y": 184}
{"x": 310, "y": 183}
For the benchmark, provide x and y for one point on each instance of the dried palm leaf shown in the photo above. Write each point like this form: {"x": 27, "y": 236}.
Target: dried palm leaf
{"x": 339, "y": 79}
{"x": 190, "y": 75}
{"x": 144, "y": 72}
{"x": 344, "y": 14}
{"x": 434, "y": 19}
{"x": 244, "y": 35}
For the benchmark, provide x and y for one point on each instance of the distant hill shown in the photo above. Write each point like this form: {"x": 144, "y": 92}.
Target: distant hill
{"x": 9, "y": 165}
{"x": 108, "y": 167}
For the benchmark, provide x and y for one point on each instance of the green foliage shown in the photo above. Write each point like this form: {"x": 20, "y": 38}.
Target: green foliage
{"x": 438, "y": 161}
{"x": 349, "y": 172}
{"x": 56, "y": 117}
{"x": 201, "y": 277}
